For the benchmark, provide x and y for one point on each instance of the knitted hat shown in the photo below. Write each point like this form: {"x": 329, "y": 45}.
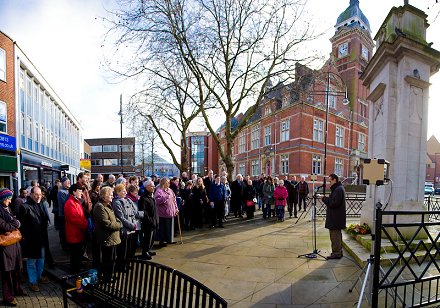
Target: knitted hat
{"x": 5, "y": 194}
{"x": 64, "y": 178}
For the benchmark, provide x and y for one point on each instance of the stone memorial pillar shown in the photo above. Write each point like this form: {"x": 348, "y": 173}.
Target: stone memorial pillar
{"x": 398, "y": 80}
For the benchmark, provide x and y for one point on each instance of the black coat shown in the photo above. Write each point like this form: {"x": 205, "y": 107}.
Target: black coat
{"x": 147, "y": 203}
{"x": 10, "y": 256}
{"x": 207, "y": 182}
{"x": 249, "y": 193}
{"x": 236, "y": 192}
{"x": 335, "y": 217}
{"x": 197, "y": 195}
{"x": 293, "y": 189}
{"x": 34, "y": 222}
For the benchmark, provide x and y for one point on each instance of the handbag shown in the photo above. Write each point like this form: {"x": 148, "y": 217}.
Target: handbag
{"x": 250, "y": 203}
{"x": 10, "y": 238}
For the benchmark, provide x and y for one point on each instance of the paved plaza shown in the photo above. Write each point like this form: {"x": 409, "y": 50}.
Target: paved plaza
{"x": 250, "y": 263}
{"x": 255, "y": 264}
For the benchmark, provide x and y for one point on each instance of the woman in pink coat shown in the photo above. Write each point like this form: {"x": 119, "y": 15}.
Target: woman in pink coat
{"x": 166, "y": 209}
{"x": 280, "y": 195}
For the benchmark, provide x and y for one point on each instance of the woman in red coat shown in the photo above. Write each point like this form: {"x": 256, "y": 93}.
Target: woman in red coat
{"x": 76, "y": 227}
{"x": 280, "y": 195}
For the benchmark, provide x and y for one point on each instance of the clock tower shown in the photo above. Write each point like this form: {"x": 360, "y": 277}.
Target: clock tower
{"x": 352, "y": 48}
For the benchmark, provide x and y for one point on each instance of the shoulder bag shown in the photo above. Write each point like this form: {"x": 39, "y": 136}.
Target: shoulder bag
{"x": 10, "y": 238}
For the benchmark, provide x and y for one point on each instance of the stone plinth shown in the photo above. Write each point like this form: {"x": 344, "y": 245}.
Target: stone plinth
{"x": 398, "y": 79}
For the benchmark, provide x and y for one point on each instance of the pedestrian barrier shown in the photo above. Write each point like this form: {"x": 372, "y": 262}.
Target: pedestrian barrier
{"x": 353, "y": 205}
{"x": 412, "y": 278}
{"x": 142, "y": 283}
{"x": 432, "y": 204}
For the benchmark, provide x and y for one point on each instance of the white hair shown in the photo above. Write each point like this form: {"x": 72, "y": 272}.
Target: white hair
{"x": 148, "y": 182}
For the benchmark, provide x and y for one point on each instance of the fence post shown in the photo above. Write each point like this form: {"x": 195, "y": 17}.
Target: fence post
{"x": 376, "y": 263}
{"x": 429, "y": 203}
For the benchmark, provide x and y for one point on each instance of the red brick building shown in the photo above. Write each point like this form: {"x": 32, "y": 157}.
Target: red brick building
{"x": 8, "y": 146}
{"x": 286, "y": 135}
{"x": 433, "y": 162}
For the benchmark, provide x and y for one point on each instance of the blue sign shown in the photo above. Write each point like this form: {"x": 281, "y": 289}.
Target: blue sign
{"x": 7, "y": 143}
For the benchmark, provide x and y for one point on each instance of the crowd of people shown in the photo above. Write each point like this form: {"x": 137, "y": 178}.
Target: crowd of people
{"x": 111, "y": 219}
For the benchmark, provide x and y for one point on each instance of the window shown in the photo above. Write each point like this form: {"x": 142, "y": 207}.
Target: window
{"x": 95, "y": 148}
{"x": 331, "y": 98}
{"x": 339, "y": 140}
{"x": 285, "y": 101}
{"x": 3, "y": 117}
{"x": 242, "y": 142}
{"x": 361, "y": 142}
{"x": 284, "y": 164}
{"x": 318, "y": 130}
{"x": 110, "y": 162}
{"x": 255, "y": 167}
{"x": 255, "y": 137}
{"x": 96, "y": 162}
{"x": 267, "y": 135}
{"x": 242, "y": 168}
{"x": 284, "y": 129}
{"x": 127, "y": 162}
{"x": 363, "y": 109}
{"x": 267, "y": 110}
{"x": 316, "y": 164}
{"x": 2, "y": 64}
{"x": 339, "y": 166}
{"x": 110, "y": 148}
{"x": 127, "y": 148}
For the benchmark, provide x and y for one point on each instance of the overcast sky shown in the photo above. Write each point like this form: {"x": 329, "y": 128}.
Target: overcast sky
{"x": 63, "y": 39}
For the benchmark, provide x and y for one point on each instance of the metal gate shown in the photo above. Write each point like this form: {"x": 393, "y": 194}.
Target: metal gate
{"x": 412, "y": 277}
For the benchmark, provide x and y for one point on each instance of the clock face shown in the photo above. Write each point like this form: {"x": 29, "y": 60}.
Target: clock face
{"x": 343, "y": 49}
{"x": 365, "y": 52}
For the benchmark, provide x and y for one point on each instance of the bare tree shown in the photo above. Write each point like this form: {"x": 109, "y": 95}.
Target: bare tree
{"x": 229, "y": 48}
{"x": 146, "y": 138}
{"x": 171, "y": 97}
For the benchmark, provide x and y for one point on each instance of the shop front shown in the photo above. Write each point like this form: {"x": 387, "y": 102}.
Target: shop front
{"x": 8, "y": 162}
{"x": 40, "y": 168}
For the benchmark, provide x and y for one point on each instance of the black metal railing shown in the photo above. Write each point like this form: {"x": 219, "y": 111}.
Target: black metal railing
{"x": 432, "y": 204}
{"x": 148, "y": 284}
{"x": 412, "y": 278}
{"x": 353, "y": 205}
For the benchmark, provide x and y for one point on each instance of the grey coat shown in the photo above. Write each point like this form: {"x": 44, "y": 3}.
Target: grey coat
{"x": 335, "y": 218}
{"x": 107, "y": 226}
{"x": 127, "y": 213}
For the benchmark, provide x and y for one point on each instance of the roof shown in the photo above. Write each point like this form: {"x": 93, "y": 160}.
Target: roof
{"x": 353, "y": 17}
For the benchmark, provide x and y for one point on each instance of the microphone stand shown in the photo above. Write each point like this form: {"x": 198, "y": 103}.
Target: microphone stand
{"x": 315, "y": 253}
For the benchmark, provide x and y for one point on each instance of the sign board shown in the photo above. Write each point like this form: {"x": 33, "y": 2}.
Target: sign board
{"x": 85, "y": 164}
{"x": 8, "y": 143}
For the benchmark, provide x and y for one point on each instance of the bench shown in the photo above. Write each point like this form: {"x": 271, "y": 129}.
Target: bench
{"x": 143, "y": 284}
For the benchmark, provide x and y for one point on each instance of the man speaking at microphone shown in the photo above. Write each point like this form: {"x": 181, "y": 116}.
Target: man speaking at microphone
{"x": 335, "y": 217}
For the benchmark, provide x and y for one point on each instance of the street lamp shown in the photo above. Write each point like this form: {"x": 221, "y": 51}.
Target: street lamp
{"x": 120, "y": 114}
{"x": 328, "y": 92}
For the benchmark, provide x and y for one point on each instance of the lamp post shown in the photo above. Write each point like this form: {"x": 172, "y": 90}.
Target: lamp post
{"x": 120, "y": 114}
{"x": 151, "y": 135}
{"x": 327, "y": 92}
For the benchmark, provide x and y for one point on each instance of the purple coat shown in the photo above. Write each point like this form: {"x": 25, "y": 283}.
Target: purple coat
{"x": 165, "y": 202}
